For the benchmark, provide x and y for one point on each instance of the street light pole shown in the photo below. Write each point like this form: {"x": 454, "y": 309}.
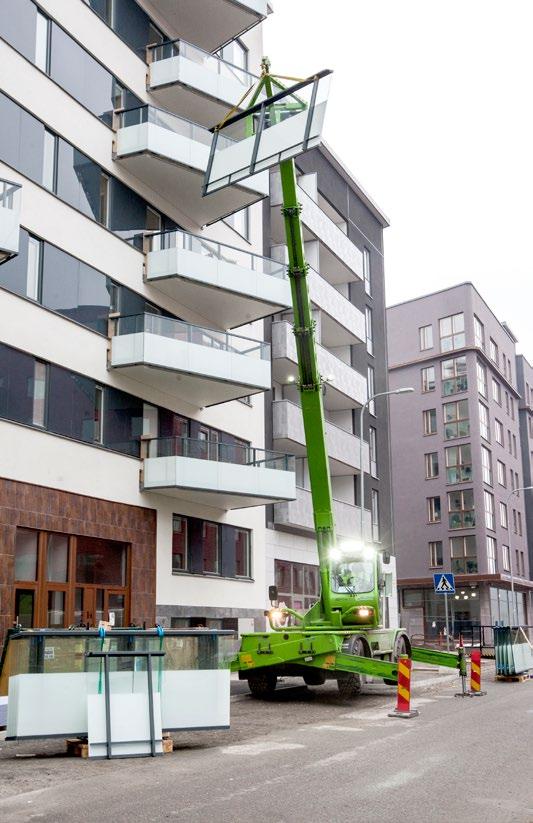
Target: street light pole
{"x": 515, "y": 614}
{"x": 405, "y": 390}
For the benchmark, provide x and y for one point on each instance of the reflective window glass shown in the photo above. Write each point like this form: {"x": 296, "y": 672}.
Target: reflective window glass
{"x": 26, "y": 541}
{"x": 100, "y": 561}
{"x": 57, "y": 558}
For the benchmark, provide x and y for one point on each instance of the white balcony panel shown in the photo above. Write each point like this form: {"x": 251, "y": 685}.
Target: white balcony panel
{"x": 208, "y": 23}
{"x": 298, "y": 514}
{"x": 10, "y": 197}
{"x": 342, "y": 324}
{"x": 340, "y": 260}
{"x": 174, "y": 163}
{"x": 197, "y": 85}
{"x": 346, "y": 388}
{"x": 217, "y": 484}
{"x": 200, "y": 374}
{"x": 289, "y": 436}
{"x": 225, "y": 292}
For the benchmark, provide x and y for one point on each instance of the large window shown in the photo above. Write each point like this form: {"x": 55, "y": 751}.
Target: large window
{"x": 373, "y": 449}
{"x": 369, "y": 332}
{"x": 489, "y": 510}
{"x": 452, "y": 332}
{"x": 375, "y": 515}
{"x": 298, "y": 584}
{"x": 486, "y": 465}
{"x": 506, "y": 558}
{"x": 481, "y": 379}
{"x": 456, "y": 419}
{"x": 430, "y": 421}
{"x": 493, "y": 351}
{"x": 502, "y": 477}
{"x": 498, "y": 432}
{"x": 433, "y": 509}
{"x": 491, "y": 555}
{"x": 425, "y": 336}
{"x": 479, "y": 333}
{"x": 206, "y": 547}
{"x": 367, "y": 271}
{"x": 371, "y": 389}
{"x": 435, "y": 554}
{"x": 428, "y": 378}
{"x": 464, "y": 554}
{"x": 459, "y": 464}
{"x": 453, "y": 373}
{"x": 461, "y": 509}
{"x": 432, "y": 465}
{"x": 484, "y": 429}
{"x": 504, "y": 520}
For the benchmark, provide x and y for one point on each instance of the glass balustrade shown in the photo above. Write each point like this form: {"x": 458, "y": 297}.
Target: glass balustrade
{"x": 180, "y": 48}
{"x": 242, "y": 455}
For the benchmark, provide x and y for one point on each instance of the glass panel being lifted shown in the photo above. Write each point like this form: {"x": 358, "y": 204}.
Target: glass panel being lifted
{"x": 278, "y": 128}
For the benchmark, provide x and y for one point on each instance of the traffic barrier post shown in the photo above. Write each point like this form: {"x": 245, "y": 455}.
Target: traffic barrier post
{"x": 475, "y": 674}
{"x": 403, "y": 698}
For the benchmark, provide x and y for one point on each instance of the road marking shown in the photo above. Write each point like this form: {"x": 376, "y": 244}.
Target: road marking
{"x": 326, "y": 728}
{"x": 263, "y": 747}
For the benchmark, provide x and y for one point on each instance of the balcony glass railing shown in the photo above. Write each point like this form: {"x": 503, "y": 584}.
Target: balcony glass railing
{"x": 242, "y": 455}
{"x": 8, "y": 193}
{"x": 187, "y": 333}
{"x": 178, "y": 239}
{"x": 178, "y": 47}
{"x": 166, "y": 120}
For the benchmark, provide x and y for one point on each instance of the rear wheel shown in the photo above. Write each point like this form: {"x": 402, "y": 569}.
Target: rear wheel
{"x": 350, "y": 685}
{"x": 262, "y": 684}
{"x": 314, "y": 677}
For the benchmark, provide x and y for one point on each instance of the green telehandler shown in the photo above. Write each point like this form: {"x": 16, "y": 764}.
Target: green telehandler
{"x": 346, "y": 634}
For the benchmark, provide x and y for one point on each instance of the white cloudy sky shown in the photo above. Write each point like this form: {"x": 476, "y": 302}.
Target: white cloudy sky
{"x": 431, "y": 109}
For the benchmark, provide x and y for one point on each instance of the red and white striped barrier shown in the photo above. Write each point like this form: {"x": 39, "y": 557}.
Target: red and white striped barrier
{"x": 403, "y": 699}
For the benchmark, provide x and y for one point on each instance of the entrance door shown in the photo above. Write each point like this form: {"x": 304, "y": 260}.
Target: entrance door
{"x": 89, "y": 605}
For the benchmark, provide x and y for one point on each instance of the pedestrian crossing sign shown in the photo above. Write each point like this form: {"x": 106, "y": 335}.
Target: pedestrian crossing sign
{"x": 444, "y": 583}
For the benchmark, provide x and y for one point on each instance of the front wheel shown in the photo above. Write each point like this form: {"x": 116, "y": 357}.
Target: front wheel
{"x": 262, "y": 684}
{"x": 402, "y": 645}
{"x": 348, "y": 684}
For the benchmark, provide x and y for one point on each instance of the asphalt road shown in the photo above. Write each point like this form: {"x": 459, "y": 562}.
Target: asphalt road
{"x": 305, "y": 756}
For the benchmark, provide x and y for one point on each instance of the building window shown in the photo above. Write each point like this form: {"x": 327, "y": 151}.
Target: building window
{"x": 498, "y": 432}
{"x": 506, "y": 557}
{"x": 464, "y": 554}
{"x": 234, "y": 52}
{"x": 481, "y": 379}
{"x": 38, "y": 393}
{"x": 479, "y": 333}
{"x": 484, "y": 421}
{"x": 375, "y": 516}
{"x": 366, "y": 271}
{"x": 496, "y": 392}
{"x": 98, "y": 414}
{"x": 509, "y": 442}
{"x": 368, "y": 326}
{"x": 373, "y": 449}
{"x": 34, "y": 268}
{"x": 430, "y": 421}
{"x": 511, "y": 404}
{"x": 242, "y": 553}
{"x": 501, "y": 472}
{"x": 453, "y": 373}
{"x": 435, "y": 554}
{"x": 519, "y": 514}
{"x": 42, "y": 42}
{"x": 432, "y": 465}
{"x": 370, "y": 385}
{"x": 104, "y": 199}
{"x": 298, "y": 584}
{"x": 514, "y": 446}
{"x": 179, "y": 544}
{"x": 459, "y": 464}
{"x": 461, "y": 509}
{"x": 210, "y": 548}
{"x": 491, "y": 554}
{"x": 456, "y": 419}
{"x": 493, "y": 351}
{"x": 489, "y": 510}
{"x": 504, "y": 521}
{"x": 425, "y": 334}
{"x": 49, "y": 175}
{"x": 240, "y": 222}
{"x": 486, "y": 465}
{"x": 452, "y": 332}
{"x": 26, "y": 545}
{"x": 434, "y": 512}
{"x": 428, "y": 378}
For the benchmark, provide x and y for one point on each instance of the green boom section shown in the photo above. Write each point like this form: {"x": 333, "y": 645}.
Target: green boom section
{"x": 453, "y": 660}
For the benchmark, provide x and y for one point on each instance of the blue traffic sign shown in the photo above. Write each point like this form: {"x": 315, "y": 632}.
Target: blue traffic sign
{"x": 444, "y": 583}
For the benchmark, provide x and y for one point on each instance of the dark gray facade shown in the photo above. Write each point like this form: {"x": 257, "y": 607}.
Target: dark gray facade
{"x": 456, "y": 458}
{"x": 524, "y": 377}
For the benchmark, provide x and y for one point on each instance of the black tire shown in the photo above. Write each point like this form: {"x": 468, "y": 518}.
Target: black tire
{"x": 262, "y": 684}
{"x": 350, "y": 685}
{"x": 402, "y": 645}
{"x": 314, "y": 677}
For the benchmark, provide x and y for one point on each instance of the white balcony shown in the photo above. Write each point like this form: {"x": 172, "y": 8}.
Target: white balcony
{"x": 10, "y": 197}
{"x": 194, "y": 83}
{"x": 298, "y": 514}
{"x": 170, "y": 154}
{"x": 227, "y": 286}
{"x": 343, "y": 447}
{"x": 201, "y": 366}
{"x": 340, "y": 261}
{"x": 216, "y": 474}
{"x": 208, "y": 23}
{"x": 345, "y": 387}
{"x": 341, "y": 323}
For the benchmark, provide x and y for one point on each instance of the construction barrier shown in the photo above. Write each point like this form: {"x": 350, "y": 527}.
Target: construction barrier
{"x": 403, "y": 698}
{"x": 475, "y": 673}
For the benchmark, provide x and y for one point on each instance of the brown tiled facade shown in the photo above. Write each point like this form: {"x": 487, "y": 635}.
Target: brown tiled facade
{"x": 38, "y": 507}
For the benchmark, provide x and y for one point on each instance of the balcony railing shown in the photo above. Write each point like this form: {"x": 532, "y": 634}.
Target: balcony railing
{"x": 220, "y": 452}
{"x": 166, "y": 120}
{"x": 178, "y": 47}
{"x": 178, "y": 239}
{"x": 10, "y": 201}
{"x": 9, "y": 194}
{"x": 188, "y": 333}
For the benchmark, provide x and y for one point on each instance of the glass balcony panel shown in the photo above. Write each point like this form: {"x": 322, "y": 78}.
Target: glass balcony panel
{"x": 10, "y": 203}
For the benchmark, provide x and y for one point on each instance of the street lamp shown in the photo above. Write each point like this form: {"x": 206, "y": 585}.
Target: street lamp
{"x": 515, "y": 615}
{"x": 404, "y": 390}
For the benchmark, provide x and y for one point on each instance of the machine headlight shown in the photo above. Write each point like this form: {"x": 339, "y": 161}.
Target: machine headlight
{"x": 364, "y": 611}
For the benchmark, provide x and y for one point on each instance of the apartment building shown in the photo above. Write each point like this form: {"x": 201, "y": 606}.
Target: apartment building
{"x": 456, "y": 461}
{"x": 343, "y": 233}
{"x": 133, "y": 473}
{"x": 524, "y": 378}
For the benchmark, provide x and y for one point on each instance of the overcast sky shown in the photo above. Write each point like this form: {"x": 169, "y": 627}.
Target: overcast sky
{"x": 431, "y": 110}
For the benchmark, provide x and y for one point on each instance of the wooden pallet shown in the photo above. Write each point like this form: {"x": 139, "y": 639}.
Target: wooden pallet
{"x": 514, "y": 678}
{"x": 77, "y": 747}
